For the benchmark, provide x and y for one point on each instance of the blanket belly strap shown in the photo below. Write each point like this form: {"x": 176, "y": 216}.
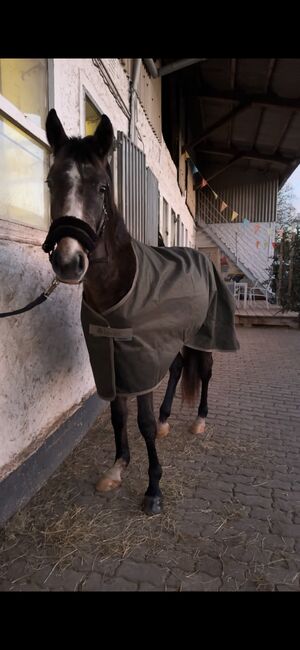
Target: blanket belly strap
{"x": 120, "y": 334}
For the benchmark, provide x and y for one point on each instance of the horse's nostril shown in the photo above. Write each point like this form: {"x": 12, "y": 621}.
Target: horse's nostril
{"x": 80, "y": 259}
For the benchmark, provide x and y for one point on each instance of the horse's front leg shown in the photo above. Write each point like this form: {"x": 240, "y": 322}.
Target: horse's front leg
{"x": 152, "y": 502}
{"x": 113, "y": 477}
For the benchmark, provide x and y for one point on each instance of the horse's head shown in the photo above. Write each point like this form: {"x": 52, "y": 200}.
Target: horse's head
{"x": 80, "y": 186}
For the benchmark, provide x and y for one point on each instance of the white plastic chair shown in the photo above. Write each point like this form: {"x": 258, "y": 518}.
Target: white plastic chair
{"x": 237, "y": 293}
{"x": 258, "y": 291}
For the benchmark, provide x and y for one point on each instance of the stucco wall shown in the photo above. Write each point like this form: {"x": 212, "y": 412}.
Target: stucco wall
{"x": 44, "y": 366}
{"x": 45, "y": 371}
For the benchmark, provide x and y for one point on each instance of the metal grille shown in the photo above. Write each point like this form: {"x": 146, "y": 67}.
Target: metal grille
{"x": 137, "y": 192}
{"x": 152, "y": 212}
{"x": 256, "y": 202}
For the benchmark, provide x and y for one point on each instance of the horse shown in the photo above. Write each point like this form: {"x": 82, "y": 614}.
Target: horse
{"x": 145, "y": 309}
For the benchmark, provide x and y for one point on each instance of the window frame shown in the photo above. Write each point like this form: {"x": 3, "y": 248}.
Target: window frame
{"x": 14, "y": 230}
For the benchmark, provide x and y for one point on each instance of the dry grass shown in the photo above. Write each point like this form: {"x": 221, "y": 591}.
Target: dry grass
{"x": 67, "y": 521}
{"x": 68, "y": 524}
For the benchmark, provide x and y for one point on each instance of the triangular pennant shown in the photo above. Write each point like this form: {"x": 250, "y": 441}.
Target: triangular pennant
{"x": 234, "y": 215}
{"x": 257, "y": 243}
{"x": 203, "y": 183}
{"x": 256, "y": 227}
{"x": 223, "y": 206}
{"x": 245, "y": 222}
{"x": 265, "y": 243}
{"x": 215, "y": 194}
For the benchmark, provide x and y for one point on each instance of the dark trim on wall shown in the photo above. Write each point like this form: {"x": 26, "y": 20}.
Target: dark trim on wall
{"x": 19, "y": 487}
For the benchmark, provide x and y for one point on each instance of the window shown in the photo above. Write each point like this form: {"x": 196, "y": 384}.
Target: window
{"x": 178, "y": 230}
{"x": 173, "y": 228}
{"x": 92, "y": 117}
{"x": 165, "y": 233}
{"x": 24, "y": 152}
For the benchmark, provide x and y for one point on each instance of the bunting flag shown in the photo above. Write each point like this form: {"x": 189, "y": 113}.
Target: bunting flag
{"x": 234, "y": 215}
{"x": 245, "y": 222}
{"x": 203, "y": 183}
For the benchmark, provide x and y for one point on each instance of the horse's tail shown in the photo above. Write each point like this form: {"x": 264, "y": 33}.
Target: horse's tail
{"x": 190, "y": 381}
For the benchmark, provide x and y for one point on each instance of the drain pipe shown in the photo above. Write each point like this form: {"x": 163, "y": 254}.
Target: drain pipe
{"x": 132, "y": 99}
{"x": 170, "y": 67}
{"x": 151, "y": 68}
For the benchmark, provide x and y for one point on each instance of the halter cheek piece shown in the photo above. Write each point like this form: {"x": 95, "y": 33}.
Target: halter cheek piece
{"x": 77, "y": 229}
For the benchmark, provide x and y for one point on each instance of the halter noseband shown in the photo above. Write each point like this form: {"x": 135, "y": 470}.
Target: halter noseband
{"x": 77, "y": 229}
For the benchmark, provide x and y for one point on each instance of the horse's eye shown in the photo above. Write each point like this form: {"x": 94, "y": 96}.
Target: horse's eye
{"x": 102, "y": 189}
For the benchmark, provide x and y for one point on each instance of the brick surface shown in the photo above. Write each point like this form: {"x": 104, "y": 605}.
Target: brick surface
{"x": 232, "y": 496}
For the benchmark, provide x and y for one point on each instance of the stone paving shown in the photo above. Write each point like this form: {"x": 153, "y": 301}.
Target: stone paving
{"x": 232, "y": 496}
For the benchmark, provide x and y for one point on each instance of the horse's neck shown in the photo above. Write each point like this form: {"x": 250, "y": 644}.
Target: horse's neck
{"x": 110, "y": 278}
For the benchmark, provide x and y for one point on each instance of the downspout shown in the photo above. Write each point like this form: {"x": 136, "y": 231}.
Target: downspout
{"x": 132, "y": 92}
{"x": 168, "y": 69}
{"x": 151, "y": 68}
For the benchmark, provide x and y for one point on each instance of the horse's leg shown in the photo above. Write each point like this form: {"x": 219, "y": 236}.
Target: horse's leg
{"x": 113, "y": 477}
{"x": 152, "y": 502}
{"x": 163, "y": 426}
{"x": 205, "y": 371}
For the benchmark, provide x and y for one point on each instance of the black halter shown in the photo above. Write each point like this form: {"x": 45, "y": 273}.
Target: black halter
{"x": 77, "y": 229}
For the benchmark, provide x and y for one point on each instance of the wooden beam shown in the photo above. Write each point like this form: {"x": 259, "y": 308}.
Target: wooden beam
{"x": 270, "y": 73}
{"x": 260, "y": 119}
{"x": 285, "y": 129}
{"x": 268, "y": 100}
{"x": 229, "y": 116}
{"x": 220, "y": 171}
{"x": 247, "y": 154}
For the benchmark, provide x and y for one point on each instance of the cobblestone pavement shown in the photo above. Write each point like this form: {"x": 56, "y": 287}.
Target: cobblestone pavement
{"x": 232, "y": 496}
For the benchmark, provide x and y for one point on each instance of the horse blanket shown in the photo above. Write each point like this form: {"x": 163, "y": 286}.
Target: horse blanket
{"x": 177, "y": 298}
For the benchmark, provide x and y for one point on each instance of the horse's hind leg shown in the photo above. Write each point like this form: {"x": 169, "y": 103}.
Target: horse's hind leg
{"x": 205, "y": 361}
{"x": 163, "y": 426}
{"x": 152, "y": 503}
{"x": 113, "y": 477}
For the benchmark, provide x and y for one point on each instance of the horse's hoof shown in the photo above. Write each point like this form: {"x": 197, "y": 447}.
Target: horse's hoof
{"x": 152, "y": 505}
{"x": 163, "y": 428}
{"x": 106, "y": 484}
{"x": 198, "y": 426}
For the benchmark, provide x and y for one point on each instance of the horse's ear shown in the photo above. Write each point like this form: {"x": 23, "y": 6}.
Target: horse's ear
{"x": 55, "y": 131}
{"x": 104, "y": 136}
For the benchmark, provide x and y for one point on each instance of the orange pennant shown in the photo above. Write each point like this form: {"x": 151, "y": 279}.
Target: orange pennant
{"x": 256, "y": 228}
{"x": 234, "y": 215}
{"x": 223, "y": 206}
{"x": 257, "y": 243}
{"x": 203, "y": 183}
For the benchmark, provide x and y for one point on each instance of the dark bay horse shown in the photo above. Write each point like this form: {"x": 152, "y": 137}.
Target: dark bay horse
{"x": 88, "y": 242}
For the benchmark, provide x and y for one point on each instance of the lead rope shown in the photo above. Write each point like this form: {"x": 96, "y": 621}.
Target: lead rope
{"x": 37, "y": 301}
